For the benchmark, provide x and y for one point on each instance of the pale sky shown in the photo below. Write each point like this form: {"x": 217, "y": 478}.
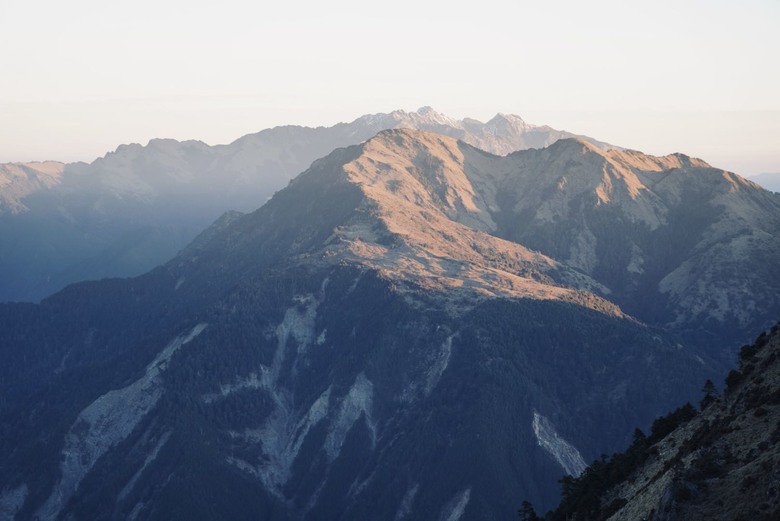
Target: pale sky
{"x": 80, "y": 77}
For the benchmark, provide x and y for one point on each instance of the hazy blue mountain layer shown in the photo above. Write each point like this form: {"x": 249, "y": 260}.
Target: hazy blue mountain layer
{"x": 136, "y": 207}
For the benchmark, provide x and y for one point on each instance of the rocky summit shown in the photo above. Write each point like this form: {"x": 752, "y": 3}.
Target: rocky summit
{"x": 412, "y": 329}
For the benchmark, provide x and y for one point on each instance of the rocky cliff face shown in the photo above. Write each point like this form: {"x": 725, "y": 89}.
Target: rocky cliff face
{"x": 360, "y": 347}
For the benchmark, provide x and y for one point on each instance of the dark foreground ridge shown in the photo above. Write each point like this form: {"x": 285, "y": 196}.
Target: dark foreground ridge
{"x": 721, "y": 463}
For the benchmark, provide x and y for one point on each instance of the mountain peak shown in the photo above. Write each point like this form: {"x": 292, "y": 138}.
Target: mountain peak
{"x": 407, "y": 204}
{"x": 424, "y": 220}
{"x": 508, "y": 122}
{"x": 427, "y": 109}
{"x": 428, "y": 116}
{"x": 502, "y": 116}
{"x": 576, "y": 144}
{"x": 162, "y": 142}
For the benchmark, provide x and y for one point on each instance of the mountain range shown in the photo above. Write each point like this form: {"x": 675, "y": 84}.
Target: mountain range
{"x": 136, "y": 207}
{"x": 414, "y": 328}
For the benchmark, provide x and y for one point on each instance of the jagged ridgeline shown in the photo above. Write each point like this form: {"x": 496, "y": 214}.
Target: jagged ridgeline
{"x": 136, "y": 207}
{"x": 719, "y": 463}
{"x": 378, "y": 342}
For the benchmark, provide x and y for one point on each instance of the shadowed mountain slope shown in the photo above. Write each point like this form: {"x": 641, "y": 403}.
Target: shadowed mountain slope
{"x": 719, "y": 464}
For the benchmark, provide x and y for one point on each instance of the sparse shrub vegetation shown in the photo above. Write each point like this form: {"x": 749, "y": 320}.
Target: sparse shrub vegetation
{"x": 666, "y": 424}
{"x": 581, "y": 496}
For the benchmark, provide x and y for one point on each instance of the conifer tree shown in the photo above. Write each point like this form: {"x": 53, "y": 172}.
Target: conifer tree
{"x": 527, "y": 512}
{"x": 710, "y": 394}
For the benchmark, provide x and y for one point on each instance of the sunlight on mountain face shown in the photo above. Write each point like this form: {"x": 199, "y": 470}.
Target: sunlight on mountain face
{"x": 135, "y": 207}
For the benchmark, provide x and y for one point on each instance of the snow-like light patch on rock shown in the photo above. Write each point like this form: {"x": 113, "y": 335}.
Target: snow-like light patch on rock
{"x": 253, "y": 381}
{"x": 439, "y": 365}
{"x": 299, "y": 324}
{"x": 405, "y": 508}
{"x": 136, "y": 511}
{"x": 285, "y": 429}
{"x": 127, "y": 489}
{"x": 567, "y": 456}
{"x": 281, "y": 437}
{"x": 11, "y": 501}
{"x": 636, "y": 262}
{"x": 456, "y": 506}
{"x": 357, "y": 487}
{"x": 314, "y": 498}
{"x": 358, "y": 402}
{"x": 106, "y": 422}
